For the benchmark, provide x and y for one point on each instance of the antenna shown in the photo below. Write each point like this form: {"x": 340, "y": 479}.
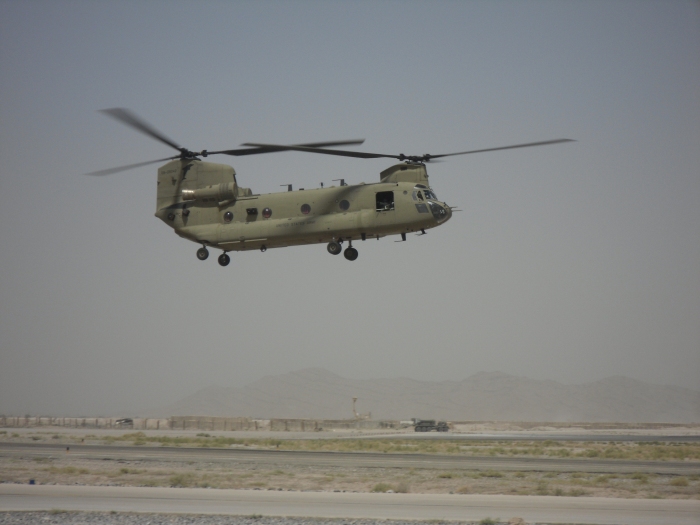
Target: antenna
{"x": 289, "y": 186}
{"x": 342, "y": 181}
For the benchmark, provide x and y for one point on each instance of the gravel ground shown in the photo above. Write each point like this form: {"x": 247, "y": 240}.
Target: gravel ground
{"x": 100, "y": 518}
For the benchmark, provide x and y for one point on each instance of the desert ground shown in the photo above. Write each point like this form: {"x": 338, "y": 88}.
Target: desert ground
{"x": 70, "y": 467}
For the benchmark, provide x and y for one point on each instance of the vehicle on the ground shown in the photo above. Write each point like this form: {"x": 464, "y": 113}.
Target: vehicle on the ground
{"x": 428, "y": 425}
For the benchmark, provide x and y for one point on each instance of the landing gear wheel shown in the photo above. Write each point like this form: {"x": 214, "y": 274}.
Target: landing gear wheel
{"x": 334, "y": 248}
{"x": 224, "y": 259}
{"x": 350, "y": 254}
{"x": 202, "y": 254}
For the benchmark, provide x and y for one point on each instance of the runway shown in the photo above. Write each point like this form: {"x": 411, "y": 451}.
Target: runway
{"x": 347, "y": 459}
{"x": 549, "y": 509}
{"x": 542, "y": 436}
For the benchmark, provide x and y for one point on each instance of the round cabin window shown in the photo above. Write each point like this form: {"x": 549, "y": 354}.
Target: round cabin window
{"x": 305, "y": 209}
{"x": 344, "y": 205}
{"x": 228, "y": 216}
{"x": 267, "y": 213}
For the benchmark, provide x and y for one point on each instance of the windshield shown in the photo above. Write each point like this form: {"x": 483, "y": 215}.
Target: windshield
{"x": 429, "y": 194}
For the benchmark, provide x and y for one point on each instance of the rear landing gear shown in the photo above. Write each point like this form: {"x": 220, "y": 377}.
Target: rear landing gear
{"x": 202, "y": 254}
{"x": 350, "y": 253}
{"x": 224, "y": 259}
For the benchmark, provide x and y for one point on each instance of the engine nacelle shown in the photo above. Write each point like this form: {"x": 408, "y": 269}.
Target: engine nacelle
{"x": 214, "y": 193}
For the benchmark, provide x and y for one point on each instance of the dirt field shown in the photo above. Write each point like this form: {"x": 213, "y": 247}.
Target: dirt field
{"x": 67, "y": 469}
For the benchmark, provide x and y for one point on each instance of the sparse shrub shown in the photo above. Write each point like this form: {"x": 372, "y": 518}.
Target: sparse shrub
{"x": 381, "y": 487}
{"x": 181, "y": 480}
{"x": 491, "y": 474}
{"x": 577, "y": 492}
{"x": 446, "y": 475}
{"x": 464, "y": 489}
{"x": 558, "y": 492}
{"x": 520, "y": 475}
{"x": 402, "y": 488}
{"x": 542, "y": 489}
{"x": 679, "y": 482}
{"x": 640, "y": 478}
{"x": 489, "y": 521}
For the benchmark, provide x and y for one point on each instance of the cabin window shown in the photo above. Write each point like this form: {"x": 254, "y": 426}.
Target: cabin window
{"x": 385, "y": 200}
{"x": 228, "y": 216}
{"x": 305, "y": 209}
{"x": 344, "y": 205}
{"x": 267, "y": 213}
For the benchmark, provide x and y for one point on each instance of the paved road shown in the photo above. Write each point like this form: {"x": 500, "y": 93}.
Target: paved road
{"x": 549, "y": 509}
{"x": 347, "y": 459}
{"x": 684, "y": 436}
{"x": 541, "y": 436}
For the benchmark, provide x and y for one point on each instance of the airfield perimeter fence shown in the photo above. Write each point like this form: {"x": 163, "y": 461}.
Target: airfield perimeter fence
{"x": 209, "y": 423}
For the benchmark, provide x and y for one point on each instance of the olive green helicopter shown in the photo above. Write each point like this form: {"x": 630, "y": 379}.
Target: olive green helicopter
{"x": 202, "y": 201}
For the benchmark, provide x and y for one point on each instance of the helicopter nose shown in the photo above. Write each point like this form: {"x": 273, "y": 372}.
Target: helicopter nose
{"x": 449, "y": 212}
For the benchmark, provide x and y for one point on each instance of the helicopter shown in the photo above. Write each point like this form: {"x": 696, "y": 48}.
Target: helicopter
{"x": 203, "y": 203}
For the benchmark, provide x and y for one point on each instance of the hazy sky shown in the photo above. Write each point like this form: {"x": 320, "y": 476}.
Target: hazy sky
{"x": 571, "y": 262}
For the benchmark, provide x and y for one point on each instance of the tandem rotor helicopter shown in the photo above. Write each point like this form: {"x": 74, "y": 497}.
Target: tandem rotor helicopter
{"x": 202, "y": 202}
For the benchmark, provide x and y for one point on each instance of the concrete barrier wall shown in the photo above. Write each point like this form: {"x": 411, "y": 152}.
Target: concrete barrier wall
{"x": 83, "y": 422}
{"x": 199, "y": 423}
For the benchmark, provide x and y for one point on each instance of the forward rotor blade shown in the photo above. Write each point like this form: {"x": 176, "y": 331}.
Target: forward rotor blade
{"x": 529, "y": 144}
{"x": 130, "y": 166}
{"x": 338, "y": 152}
{"x": 260, "y": 150}
{"x": 130, "y": 119}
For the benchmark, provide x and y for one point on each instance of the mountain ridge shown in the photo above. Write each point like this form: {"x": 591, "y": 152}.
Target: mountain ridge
{"x": 316, "y": 393}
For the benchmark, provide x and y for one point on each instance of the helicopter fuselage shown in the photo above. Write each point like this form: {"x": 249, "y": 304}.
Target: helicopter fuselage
{"x": 202, "y": 203}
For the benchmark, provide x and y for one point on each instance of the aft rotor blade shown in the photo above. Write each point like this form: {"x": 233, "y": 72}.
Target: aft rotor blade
{"x": 529, "y": 144}
{"x": 338, "y": 152}
{"x": 259, "y": 150}
{"x": 414, "y": 158}
{"x": 130, "y": 119}
{"x": 130, "y": 166}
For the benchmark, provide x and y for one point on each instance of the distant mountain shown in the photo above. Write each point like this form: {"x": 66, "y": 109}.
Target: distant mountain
{"x": 486, "y": 396}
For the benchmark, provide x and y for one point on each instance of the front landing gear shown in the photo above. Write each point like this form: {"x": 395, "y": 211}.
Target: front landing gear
{"x": 334, "y": 248}
{"x": 224, "y": 259}
{"x": 202, "y": 254}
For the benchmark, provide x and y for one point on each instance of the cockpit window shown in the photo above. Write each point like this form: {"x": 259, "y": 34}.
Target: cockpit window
{"x": 429, "y": 194}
